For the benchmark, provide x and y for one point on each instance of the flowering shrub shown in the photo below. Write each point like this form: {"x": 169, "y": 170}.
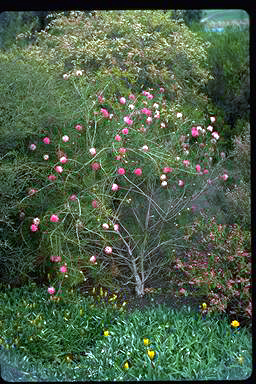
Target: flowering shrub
{"x": 221, "y": 269}
{"x": 118, "y": 199}
{"x": 141, "y": 48}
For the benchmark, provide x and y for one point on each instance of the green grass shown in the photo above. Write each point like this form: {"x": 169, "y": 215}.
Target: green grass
{"x": 186, "y": 346}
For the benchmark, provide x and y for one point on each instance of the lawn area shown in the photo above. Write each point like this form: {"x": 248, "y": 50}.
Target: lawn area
{"x": 221, "y": 15}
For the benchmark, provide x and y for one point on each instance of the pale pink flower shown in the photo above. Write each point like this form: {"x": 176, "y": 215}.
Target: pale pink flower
{"x": 179, "y": 114}
{"x": 36, "y": 221}
{"x": 122, "y": 100}
{"x": 65, "y": 138}
{"x": 51, "y": 290}
{"x": 142, "y": 129}
{"x": 167, "y": 169}
{"x": 118, "y": 138}
{"x": 198, "y": 168}
{"x": 63, "y": 269}
{"x": 194, "y": 132}
{"x": 73, "y": 198}
{"x": 92, "y": 151}
{"x": 54, "y": 218}
{"x": 122, "y": 150}
{"x": 104, "y": 112}
{"x": 186, "y": 163}
{"x": 55, "y": 258}
{"x": 145, "y": 93}
{"x": 32, "y": 147}
{"x": 93, "y": 259}
{"x": 114, "y": 187}
{"x": 46, "y": 140}
{"x": 212, "y": 118}
{"x": 162, "y": 125}
{"x": 125, "y": 131}
{"x": 157, "y": 115}
{"x": 46, "y": 157}
{"x": 52, "y": 177}
{"x": 131, "y": 97}
{"x": 182, "y": 291}
{"x": 137, "y": 171}
{"x": 161, "y": 90}
{"x": 118, "y": 157}
{"x": 150, "y": 97}
{"x": 127, "y": 120}
{"x": 181, "y": 183}
{"x": 79, "y": 127}
{"x": 222, "y": 155}
{"x": 205, "y": 171}
{"x": 210, "y": 128}
{"x": 145, "y": 148}
{"x": 215, "y": 135}
{"x": 34, "y": 228}
{"x": 108, "y": 250}
{"x": 116, "y": 227}
{"x": 32, "y": 191}
{"x": 149, "y": 120}
{"x": 94, "y": 203}
{"x": 63, "y": 160}
{"x": 105, "y": 226}
{"x": 121, "y": 171}
{"x": 58, "y": 169}
{"x": 95, "y": 166}
{"x": 224, "y": 177}
{"x": 100, "y": 99}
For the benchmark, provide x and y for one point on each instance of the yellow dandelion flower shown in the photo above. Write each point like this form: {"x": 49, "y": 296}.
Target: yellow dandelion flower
{"x": 126, "y": 365}
{"x": 106, "y": 333}
{"x": 204, "y": 305}
{"x": 146, "y": 341}
{"x": 151, "y": 354}
{"x": 235, "y": 323}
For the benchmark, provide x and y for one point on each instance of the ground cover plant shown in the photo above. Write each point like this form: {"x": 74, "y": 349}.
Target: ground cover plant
{"x": 106, "y": 191}
{"x": 86, "y": 342}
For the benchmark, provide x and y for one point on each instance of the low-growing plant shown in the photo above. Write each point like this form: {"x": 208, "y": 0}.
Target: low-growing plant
{"x": 221, "y": 267}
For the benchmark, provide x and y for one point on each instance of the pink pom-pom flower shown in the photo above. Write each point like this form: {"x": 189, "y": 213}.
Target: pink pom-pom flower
{"x": 54, "y": 218}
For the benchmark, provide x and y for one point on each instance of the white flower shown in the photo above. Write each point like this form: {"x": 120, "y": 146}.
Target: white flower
{"x": 164, "y": 183}
{"x": 145, "y": 148}
{"x": 79, "y": 73}
{"x": 105, "y": 226}
{"x": 212, "y": 118}
{"x": 203, "y": 131}
{"x": 46, "y": 157}
{"x": 36, "y": 221}
{"x": 156, "y": 105}
{"x": 131, "y": 106}
{"x": 116, "y": 227}
{"x": 65, "y": 138}
{"x": 210, "y": 128}
{"x": 92, "y": 151}
{"x": 179, "y": 114}
{"x": 199, "y": 128}
{"x": 108, "y": 250}
{"x": 215, "y": 135}
{"x": 162, "y": 125}
{"x": 163, "y": 177}
{"x": 177, "y": 158}
{"x": 65, "y": 76}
